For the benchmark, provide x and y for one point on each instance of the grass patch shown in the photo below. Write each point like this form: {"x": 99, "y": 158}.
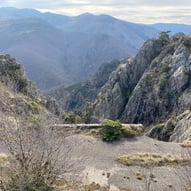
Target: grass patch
{"x": 92, "y": 187}
{"x": 3, "y": 158}
{"x": 4, "y": 163}
{"x": 152, "y": 159}
{"x": 93, "y": 132}
{"x": 186, "y": 143}
{"x": 64, "y": 185}
{"x": 132, "y": 130}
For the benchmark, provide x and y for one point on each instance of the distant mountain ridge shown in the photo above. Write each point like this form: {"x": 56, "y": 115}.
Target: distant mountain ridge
{"x": 173, "y": 28}
{"x": 57, "y": 49}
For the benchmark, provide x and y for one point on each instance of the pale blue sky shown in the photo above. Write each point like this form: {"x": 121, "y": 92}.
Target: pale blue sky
{"x": 142, "y": 11}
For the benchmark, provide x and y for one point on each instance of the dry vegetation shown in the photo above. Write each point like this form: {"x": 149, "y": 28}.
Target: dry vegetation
{"x": 3, "y": 158}
{"x": 127, "y": 131}
{"x": 152, "y": 159}
{"x": 34, "y": 149}
{"x": 186, "y": 143}
{"x": 132, "y": 130}
{"x": 93, "y": 132}
{"x": 4, "y": 161}
{"x": 63, "y": 185}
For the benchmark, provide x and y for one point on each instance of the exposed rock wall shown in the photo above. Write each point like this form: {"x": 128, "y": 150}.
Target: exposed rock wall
{"x": 151, "y": 88}
{"x": 114, "y": 96}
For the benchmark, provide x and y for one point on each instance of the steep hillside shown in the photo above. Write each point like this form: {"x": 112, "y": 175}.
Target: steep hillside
{"x": 32, "y": 42}
{"x": 56, "y": 49}
{"x": 19, "y": 98}
{"x": 151, "y": 88}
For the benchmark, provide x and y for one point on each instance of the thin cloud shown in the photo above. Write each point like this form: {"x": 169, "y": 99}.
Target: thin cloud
{"x": 143, "y": 11}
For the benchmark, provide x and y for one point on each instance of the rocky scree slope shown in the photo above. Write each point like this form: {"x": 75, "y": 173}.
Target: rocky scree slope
{"x": 151, "y": 88}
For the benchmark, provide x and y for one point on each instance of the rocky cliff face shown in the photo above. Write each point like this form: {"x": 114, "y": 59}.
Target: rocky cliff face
{"x": 114, "y": 96}
{"x": 162, "y": 87}
{"x": 151, "y": 88}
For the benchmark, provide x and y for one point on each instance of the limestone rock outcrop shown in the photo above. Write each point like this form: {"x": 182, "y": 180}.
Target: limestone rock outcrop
{"x": 151, "y": 88}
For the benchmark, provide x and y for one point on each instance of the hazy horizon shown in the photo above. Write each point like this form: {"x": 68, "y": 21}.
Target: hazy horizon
{"x": 139, "y": 11}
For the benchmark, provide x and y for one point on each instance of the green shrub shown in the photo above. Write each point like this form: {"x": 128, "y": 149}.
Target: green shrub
{"x": 27, "y": 183}
{"x": 164, "y": 37}
{"x": 111, "y": 130}
{"x": 70, "y": 118}
{"x": 22, "y": 83}
{"x": 162, "y": 83}
{"x": 187, "y": 43}
{"x": 164, "y": 68}
{"x": 186, "y": 72}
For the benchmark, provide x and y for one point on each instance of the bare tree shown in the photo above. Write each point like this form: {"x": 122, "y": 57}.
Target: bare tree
{"x": 38, "y": 154}
{"x": 186, "y": 172}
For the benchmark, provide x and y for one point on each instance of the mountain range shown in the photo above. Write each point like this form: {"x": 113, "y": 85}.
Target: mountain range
{"x": 149, "y": 90}
{"x": 57, "y": 49}
{"x": 173, "y": 28}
